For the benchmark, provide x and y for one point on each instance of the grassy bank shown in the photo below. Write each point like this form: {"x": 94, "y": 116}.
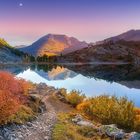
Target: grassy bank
{"x": 66, "y": 130}
{"x": 105, "y": 109}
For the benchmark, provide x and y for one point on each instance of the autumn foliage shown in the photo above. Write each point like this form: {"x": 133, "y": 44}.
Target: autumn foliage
{"x": 12, "y": 95}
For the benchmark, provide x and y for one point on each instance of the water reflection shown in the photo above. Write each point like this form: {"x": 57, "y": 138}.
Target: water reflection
{"x": 121, "y": 80}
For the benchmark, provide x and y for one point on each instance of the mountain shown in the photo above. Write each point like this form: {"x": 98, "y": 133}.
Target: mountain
{"x": 9, "y": 54}
{"x": 131, "y": 35}
{"x": 53, "y": 44}
{"x": 124, "y": 48}
{"x": 20, "y": 46}
{"x": 114, "y": 52}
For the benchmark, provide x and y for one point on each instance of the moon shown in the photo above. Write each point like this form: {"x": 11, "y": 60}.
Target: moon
{"x": 20, "y": 4}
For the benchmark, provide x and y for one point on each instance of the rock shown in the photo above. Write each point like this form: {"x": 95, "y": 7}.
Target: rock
{"x": 80, "y": 121}
{"x": 42, "y": 86}
{"x": 46, "y": 138}
{"x": 29, "y": 124}
{"x": 134, "y": 136}
{"x": 77, "y": 118}
{"x": 33, "y": 91}
{"x": 112, "y": 131}
{"x": 85, "y": 123}
{"x": 1, "y": 138}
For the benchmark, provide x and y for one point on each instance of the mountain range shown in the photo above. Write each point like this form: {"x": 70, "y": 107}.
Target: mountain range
{"x": 131, "y": 35}
{"x": 122, "y": 48}
{"x": 53, "y": 44}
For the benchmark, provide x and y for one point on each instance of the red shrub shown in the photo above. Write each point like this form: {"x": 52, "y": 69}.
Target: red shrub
{"x": 9, "y": 104}
{"x": 9, "y": 83}
{"x": 11, "y": 95}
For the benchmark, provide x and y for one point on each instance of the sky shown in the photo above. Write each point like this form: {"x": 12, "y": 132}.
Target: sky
{"x": 24, "y": 21}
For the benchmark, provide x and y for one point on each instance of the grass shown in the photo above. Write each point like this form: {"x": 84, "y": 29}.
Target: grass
{"x": 23, "y": 115}
{"x": 65, "y": 129}
{"x": 74, "y": 97}
{"x": 106, "y": 109}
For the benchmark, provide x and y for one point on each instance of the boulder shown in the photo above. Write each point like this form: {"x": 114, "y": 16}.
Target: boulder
{"x": 112, "y": 131}
{"x": 82, "y": 122}
{"x": 77, "y": 118}
{"x": 85, "y": 123}
{"x": 134, "y": 136}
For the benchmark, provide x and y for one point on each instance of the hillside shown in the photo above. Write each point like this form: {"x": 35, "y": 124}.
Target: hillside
{"x": 131, "y": 35}
{"x": 54, "y": 45}
{"x": 9, "y": 54}
{"x": 120, "y": 51}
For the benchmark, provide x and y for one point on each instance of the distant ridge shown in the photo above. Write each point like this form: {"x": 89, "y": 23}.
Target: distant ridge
{"x": 131, "y": 35}
{"x": 53, "y": 44}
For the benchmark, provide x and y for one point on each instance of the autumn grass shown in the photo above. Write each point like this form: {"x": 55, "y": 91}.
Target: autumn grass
{"x": 106, "y": 109}
{"x": 65, "y": 129}
{"x": 23, "y": 115}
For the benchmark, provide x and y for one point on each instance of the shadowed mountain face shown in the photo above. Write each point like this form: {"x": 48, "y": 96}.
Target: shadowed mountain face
{"x": 54, "y": 45}
{"x": 121, "y": 48}
{"x": 9, "y": 54}
{"x": 120, "y": 51}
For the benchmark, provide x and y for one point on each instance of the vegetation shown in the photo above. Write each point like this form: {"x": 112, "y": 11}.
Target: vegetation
{"x": 109, "y": 110}
{"x": 106, "y": 109}
{"x": 46, "y": 58}
{"x": 74, "y": 97}
{"x": 14, "y": 99}
{"x": 23, "y": 115}
{"x": 65, "y": 130}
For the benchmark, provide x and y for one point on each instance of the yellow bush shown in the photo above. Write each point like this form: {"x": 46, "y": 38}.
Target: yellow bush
{"x": 110, "y": 110}
{"x": 75, "y": 98}
{"x": 137, "y": 119}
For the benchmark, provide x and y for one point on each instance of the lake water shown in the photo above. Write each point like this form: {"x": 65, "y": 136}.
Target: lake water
{"x": 92, "y": 80}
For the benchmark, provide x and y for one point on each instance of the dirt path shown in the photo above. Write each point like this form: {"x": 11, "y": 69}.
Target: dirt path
{"x": 41, "y": 128}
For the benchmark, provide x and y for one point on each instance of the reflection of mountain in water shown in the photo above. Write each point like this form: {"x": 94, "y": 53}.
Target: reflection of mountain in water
{"x": 57, "y": 73}
{"x": 123, "y": 74}
{"x": 127, "y": 75}
{"x": 15, "y": 69}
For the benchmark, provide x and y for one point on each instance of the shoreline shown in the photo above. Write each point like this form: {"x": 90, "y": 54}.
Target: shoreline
{"x": 69, "y": 63}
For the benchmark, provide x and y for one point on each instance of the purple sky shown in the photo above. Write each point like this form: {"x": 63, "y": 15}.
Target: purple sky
{"x": 24, "y": 21}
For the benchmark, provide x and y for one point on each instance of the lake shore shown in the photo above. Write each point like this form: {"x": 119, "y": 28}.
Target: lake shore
{"x": 68, "y": 63}
{"x": 43, "y": 126}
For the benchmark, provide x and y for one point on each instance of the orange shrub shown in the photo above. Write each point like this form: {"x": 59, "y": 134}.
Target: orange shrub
{"x": 9, "y": 83}
{"x": 9, "y": 104}
{"x": 12, "y": 95}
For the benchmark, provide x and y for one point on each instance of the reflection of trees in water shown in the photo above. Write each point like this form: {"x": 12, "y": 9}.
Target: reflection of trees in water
{"x": 109, "y": 73}
{"x": 44, "y": 67}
